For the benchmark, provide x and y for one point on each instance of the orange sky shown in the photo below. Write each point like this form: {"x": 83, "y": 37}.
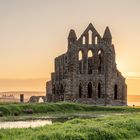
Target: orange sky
{"x": 34, "y": 32}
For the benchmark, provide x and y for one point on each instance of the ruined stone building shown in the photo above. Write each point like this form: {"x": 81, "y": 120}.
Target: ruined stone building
{"x": 87, "y": 72}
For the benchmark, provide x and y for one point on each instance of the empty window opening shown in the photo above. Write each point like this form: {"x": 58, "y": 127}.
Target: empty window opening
{"x": 80, "y": 55}
{"x": 100, "y": 64}
{"x": 99, "y": 52}
{"x": 90, "y": 61}
{"x": 61, "y": 89}
{"x": 90, "y": 53}
{"x": 90, "y": 37}
{"x": 84, "y": 40}
{"x": 96, "y": 40}
{"x": 40, "y": 100}
{"x": 99, "y": 90}
{"x": 80, "y": 91}
{"x": 90, "y": 90}
{"x": 115, "y": 92}
{"x": 100, "y": 61}
{"x": 80, "y": 58}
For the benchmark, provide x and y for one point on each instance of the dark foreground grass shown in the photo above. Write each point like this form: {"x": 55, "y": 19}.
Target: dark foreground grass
{"x": 20, "y": 109}
{"x": 105, "y": 128}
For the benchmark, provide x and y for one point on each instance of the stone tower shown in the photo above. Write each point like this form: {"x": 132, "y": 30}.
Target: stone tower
{"x": 87, "y": 72}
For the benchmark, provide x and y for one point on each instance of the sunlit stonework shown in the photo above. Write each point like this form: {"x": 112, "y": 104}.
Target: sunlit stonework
{"x": 87, "y": 72}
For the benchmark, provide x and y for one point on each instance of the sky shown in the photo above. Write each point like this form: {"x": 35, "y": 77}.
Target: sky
{"x": 34, "y": 32}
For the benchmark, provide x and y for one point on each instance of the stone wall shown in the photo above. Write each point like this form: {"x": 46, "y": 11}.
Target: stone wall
{"x": 87, "y": 72}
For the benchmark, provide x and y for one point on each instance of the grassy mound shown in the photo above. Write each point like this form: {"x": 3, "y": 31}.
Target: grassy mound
{"x": 106, "y": 128}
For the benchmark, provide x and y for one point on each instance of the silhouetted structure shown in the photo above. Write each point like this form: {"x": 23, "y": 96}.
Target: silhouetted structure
{"x": 21, "y": 98}
{"x": 87, "y": 72}
{"x": 37, "y": 99}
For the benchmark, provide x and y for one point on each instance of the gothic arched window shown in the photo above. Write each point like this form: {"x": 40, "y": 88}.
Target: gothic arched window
{"x": 100, "y": 61}
{"x": 80, "y": 61}
{"x": 99, "y": 90}
{"x": 90, "y": 53}
{"x": 84, "y": 40}
{"x": 80, "y": 91}
{"x": 115, "y": 92}
{"x": 89, "y": 90}
{"x": 96, "y": 40}
{"x": 61, "y": 89}
{"x": 89, "y": 37}
{"x": 80, "y": 55}
{"x": 90, "y": 61}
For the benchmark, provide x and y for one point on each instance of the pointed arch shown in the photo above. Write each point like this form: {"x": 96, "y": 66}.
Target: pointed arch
{"x": 89, "y": 90}
{"x": 115, "y": 92}
{"x": 40, "y": 100}
{"x": 90, "y": 53}
{"x": 61, "y": 88}
{"x": 80, "y": 61}
{"x": 80, "y": 90}
{"x": 83, "y": 40}
{"x": 96, "y": 40}
{"x": 80, "y": 55}
{"x": 100, "y": 61}
{"x": 89, "y": 37}
{"x": 99, "y": 90}
{"x": 90, "y": 61}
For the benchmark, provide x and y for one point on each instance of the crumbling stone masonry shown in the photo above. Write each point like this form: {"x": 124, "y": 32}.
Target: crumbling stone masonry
{"x": 87, "y": 72}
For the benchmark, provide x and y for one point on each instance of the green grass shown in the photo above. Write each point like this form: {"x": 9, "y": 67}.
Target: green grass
{"x": 116, "y": 122}
{"x": 105, "y": 128}
{"x": 9, "y": 109}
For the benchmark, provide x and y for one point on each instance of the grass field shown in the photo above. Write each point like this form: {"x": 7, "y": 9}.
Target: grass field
{"x": 105, "y": 128}
{"x": 21, "y": 109}
{"x": 111, "y": 122}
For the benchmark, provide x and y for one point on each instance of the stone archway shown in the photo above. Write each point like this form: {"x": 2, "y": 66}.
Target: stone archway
{"x": 80, "y": 91}
{"x": 99, "y": 90}
{"x": 115, "y": 92}
{"x": 40, "y": 100}
{"x": 90, "y": 91}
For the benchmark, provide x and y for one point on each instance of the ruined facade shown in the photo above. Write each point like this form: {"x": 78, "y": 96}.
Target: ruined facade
{"x": 87, "y": 72}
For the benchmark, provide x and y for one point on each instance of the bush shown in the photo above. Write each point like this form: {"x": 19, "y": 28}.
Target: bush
{"x": 5, "y": 110}
{"x": 1, "y": 114}
{"x": 28, "y": 111}
{"x": 16, "y": 113}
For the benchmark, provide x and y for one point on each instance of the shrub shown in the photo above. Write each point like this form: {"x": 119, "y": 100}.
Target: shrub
{"x": 1, "y": 114}
{"x": 28, "y": 111}
{"x": 16, "y": 113}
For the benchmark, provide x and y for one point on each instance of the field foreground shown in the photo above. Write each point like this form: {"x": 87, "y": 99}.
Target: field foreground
{"x": 111, "y": 123}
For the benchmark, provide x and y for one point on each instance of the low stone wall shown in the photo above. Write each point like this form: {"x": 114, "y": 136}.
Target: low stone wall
{"x": 36, "y": 99}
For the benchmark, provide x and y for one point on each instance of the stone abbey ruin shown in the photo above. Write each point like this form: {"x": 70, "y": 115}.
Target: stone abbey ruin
{"x": 87, "y": 72}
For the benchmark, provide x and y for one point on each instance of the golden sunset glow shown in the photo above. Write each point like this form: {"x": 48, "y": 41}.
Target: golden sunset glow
{"x": 34, "y": 32}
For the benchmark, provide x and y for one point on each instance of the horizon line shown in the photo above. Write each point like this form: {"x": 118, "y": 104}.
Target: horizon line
{"x": 127, "y": 77}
